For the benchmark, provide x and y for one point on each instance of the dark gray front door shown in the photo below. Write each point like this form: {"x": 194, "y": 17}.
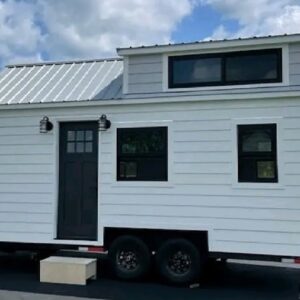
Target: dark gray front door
{"x": 78, "y": 181}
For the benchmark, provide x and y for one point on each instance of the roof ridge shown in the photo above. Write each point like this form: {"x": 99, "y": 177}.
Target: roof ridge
{"x": 62, "y": 62}
{"x": 206, "y": 41}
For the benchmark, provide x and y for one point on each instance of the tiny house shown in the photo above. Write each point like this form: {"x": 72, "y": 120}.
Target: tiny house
{"x": 174, "y": 153}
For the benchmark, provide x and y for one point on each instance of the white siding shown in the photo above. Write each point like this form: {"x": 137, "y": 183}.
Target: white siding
{"x": 145, "y": 73}
{"x": 26, "y": 180}
{"x": 201, "y": 194}
{"x": 294, "y": 64}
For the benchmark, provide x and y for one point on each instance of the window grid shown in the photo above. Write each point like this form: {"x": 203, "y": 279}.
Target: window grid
{"x": 79, "y": 141}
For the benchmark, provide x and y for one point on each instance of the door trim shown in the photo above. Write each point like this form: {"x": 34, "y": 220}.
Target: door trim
{"x": 56, "y": 120}
{"x": 64, "y": 231}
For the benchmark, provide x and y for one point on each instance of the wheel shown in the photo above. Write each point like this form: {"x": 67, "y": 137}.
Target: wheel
{"x": 178, "y": 261}
{"x": 129, "y": 257}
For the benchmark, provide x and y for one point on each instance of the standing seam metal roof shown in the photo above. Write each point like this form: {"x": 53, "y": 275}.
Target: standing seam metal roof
{"x": 211, "y": 41}
{"x": 62, "y": 81}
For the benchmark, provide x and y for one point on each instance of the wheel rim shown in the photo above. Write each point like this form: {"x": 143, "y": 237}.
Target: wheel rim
{"x": 127, "y": 260}
{"x": 179, "y": 262}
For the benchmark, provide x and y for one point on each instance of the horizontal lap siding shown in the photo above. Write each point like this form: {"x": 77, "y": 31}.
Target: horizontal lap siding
{"x": 294, "y": 64}
{"x": 201, "y": 192}
{"x": 199, "y": 189}
{"x": 145, "y": 74}
{"x": 199, "y": 195}
{"x": 26, "y": 179}
{"x": 204, "y": 211}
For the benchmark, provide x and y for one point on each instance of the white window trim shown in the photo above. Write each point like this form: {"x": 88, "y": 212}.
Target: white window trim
{"x": 279, "y": 137}
{"x": 285, "y": 70}
{"x": 125, "y": 75}
{"x": 164, "y": 184}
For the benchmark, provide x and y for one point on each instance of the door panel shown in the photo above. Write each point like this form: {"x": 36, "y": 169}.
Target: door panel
{"x": 78, "y": 181}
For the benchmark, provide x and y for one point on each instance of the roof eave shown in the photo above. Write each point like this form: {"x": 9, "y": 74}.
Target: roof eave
{"x": 284, "y": 39}
{"x": 154, "y": 100}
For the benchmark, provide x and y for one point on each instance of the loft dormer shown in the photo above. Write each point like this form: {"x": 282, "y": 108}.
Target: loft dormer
{"x": 240, "y": 65}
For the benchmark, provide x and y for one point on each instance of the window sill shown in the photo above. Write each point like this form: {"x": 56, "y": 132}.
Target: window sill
{"x": 138, "y": 183}
{"x": 225, "y": 87}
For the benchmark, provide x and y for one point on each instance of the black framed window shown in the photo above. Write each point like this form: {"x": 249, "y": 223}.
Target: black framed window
{"x": 142, "y": 154}
{"x": 243, "y": 67}
{"x": 257, "y": 153}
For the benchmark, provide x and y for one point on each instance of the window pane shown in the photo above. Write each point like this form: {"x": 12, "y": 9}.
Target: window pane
{"x": 70, "y": 147}
{"x": 266, "y": 169}
{"x": 255, "y": 67}
{"x": 128, "y": 169}
{"x": 196, "y": 70}
{"x": 79, "y": 147}
{"x": 79, "y": 135}
{"x": 89, "y": 135}
{"x": 242, "y": 67}
{"x": 88, "y": 147}
{"x": 247, "y": 170}
{"x": 71, "y": 135}
{"x": 152, "y": 168}
{"x": 257, "y": 141}
{"x": 138, "y": 141}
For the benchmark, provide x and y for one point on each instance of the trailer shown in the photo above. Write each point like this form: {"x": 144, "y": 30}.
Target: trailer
{"x": 169, "y": 155}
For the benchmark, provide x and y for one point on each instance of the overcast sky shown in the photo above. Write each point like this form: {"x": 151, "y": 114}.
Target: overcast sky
{"x": 36, "y": 30}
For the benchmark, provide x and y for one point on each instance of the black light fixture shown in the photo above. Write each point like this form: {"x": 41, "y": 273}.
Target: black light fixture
{"x": 45, "y": 125}
{"x": 104, "y": 124}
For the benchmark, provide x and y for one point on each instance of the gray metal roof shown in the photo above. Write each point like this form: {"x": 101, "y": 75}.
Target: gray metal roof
{"x": 61, "y": 81}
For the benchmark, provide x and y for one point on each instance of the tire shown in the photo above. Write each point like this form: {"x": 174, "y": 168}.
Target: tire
{"x": 178, "y": 261}
{"x": 129, "y": 258}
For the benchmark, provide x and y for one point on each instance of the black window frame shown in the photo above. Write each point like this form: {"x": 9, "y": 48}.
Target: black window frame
{"x": 133, "y": 157}
{"x": 223, "y": 57}
{"x": 256, "y": 156}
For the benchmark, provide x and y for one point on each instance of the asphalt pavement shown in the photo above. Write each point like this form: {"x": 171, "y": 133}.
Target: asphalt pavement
{"x": 19, "y": 280}
{"x": 11, "y": 295}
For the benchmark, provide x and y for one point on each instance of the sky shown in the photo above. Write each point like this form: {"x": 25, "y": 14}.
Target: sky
{"x": 41, "y": 30}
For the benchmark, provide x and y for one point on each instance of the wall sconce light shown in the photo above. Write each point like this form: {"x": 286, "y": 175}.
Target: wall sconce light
{"x": 45, "y": 125}
{"x": 104, "y": 124}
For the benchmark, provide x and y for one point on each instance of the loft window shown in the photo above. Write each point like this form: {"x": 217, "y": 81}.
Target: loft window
{"x": 257, "y": 153}
{"x": 142, "y": 154}
{"x": 244, "y": 67}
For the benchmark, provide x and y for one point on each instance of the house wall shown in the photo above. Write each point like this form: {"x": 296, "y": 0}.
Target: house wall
{"x": 202, "y": 192}
{"x": 145, "y": 77}
{"x": 145, "y": 73}
{"x": 294, "y": 64}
